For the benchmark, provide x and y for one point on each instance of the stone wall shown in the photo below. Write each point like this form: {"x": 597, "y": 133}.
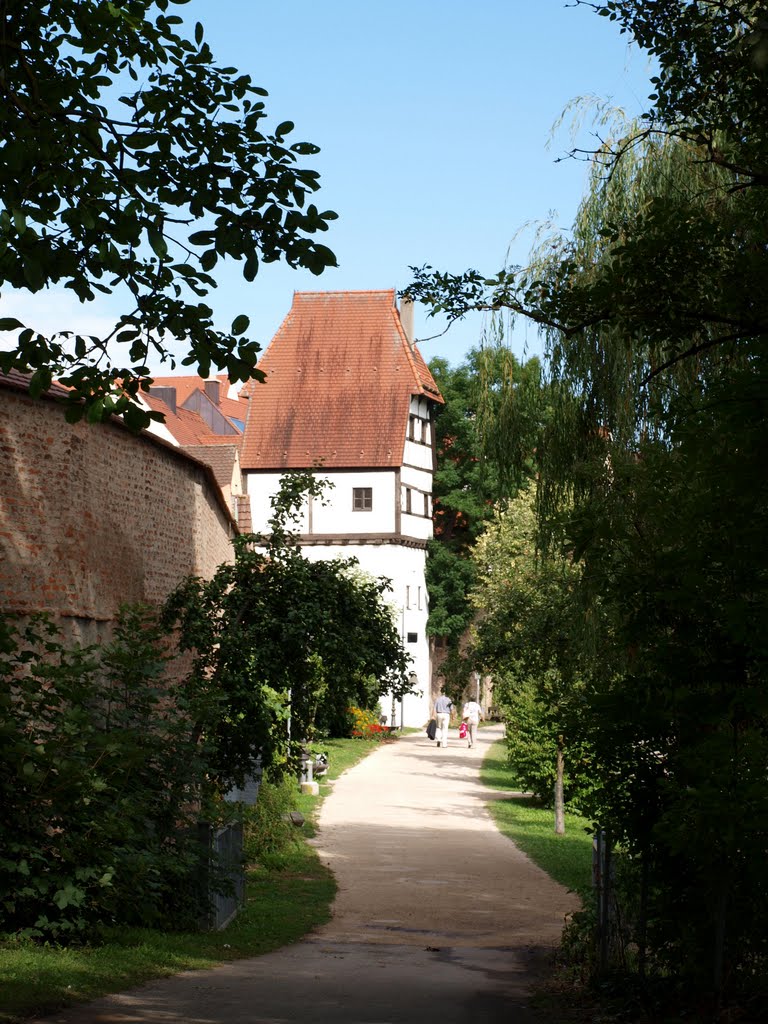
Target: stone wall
{"x": 92, "y": 516}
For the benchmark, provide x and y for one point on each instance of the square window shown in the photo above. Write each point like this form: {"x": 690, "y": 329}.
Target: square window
{"x": 413, "y": 638}
{"x": 362, "y": 499}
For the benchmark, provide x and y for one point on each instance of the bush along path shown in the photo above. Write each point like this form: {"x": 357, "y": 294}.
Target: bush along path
{"x": 289, "y": 892}
{"x": 436, "y": 912}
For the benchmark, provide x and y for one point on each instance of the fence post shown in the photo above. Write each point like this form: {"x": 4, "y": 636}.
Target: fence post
{"x": 602, "y": 875}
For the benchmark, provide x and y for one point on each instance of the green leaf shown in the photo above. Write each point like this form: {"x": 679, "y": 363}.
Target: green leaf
{"x": 157, "y": 241}
{"x": 141, "y": 140}
{"x": 209, "y": 259}
{"x": 251, "y": 268}
{"x": 240, "y": 324}
{"x": 10, "y": 323}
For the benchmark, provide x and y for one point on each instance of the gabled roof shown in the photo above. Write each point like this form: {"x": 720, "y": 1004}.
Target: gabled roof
{"x": 234, "y": 408}
{"x": 222, "y": 459}
{"x": 340, "y": 373}
{"x": 186, "y": 427}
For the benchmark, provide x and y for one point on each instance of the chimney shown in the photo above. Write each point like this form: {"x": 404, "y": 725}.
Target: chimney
{"x": 406, "y": 318}
{"x": 213, "y": 390}
{"x": 167, "y": 395}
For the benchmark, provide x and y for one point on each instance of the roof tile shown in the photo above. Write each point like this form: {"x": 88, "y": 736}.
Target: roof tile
{"x": 340, "y": 373}
{"x": 233, "y": 408}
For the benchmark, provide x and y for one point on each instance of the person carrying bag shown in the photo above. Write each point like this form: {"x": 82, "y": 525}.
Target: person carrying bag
{"x": 471, "y": 713}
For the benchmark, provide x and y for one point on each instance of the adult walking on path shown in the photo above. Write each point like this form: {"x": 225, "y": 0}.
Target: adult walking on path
{"x": 438, "y": 916}
{"x": 443, "y": 707}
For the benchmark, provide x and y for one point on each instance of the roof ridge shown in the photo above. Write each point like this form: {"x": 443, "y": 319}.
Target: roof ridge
{"x": 350, "y": 291}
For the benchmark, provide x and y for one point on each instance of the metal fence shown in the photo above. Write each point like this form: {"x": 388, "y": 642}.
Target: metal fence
{"x": 226, "y": 873}
{"x": 224, "y": 885}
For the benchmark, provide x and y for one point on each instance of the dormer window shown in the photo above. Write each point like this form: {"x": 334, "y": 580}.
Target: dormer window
{"x": 362, "y": 499}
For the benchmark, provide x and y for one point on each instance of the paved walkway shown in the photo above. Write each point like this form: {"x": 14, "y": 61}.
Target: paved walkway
{"x": 438, "y": 916}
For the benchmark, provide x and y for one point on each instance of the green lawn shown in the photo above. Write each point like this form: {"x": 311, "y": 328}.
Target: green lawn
{"x": 283, "y": 903}
{"x": 567, "y": 858}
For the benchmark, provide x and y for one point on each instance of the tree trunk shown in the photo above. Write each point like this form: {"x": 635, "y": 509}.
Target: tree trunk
{"x": 559, "y": 799}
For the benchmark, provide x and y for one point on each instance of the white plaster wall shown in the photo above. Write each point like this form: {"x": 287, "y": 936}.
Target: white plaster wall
{"x": 405, "y": 568}
{"x": 417, "y": 455}
{"x": 260, "y": 487}
{"x": 419, "y": 478}
{"x": 338, "y": 515}
{"x": 416, "y": 526}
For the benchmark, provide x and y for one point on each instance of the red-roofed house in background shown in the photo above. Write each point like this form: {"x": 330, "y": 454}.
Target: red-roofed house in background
{"x": 206, "y": 419}
{"x": 347, "y": 389}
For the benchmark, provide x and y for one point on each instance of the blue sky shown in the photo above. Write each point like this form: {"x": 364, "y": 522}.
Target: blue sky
{"x": 434, "y": 121}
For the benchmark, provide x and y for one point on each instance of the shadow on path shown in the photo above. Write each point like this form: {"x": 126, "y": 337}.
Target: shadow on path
{"x": 438, "y": 916}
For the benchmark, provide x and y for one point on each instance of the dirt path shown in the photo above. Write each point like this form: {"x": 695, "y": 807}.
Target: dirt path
{"x": 418, "y": 859}
{"x": 438, "y": 916}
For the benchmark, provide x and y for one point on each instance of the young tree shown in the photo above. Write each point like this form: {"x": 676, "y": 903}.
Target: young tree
{"x": 528, "y": 618}
{"x": 132, "y": 162}
{"x": 278, "y": 641}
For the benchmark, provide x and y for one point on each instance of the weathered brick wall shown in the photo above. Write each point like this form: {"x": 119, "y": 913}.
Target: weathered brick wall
{"x": 92, "y": 516}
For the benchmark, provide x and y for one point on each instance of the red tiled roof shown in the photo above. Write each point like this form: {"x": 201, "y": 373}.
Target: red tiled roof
{"x": 233, "y": 408}
{"x": 220, "y": 457}
{"x": 340, "y": 374}
{"x": 16, "y": 379}
{"x": 187, "y": 427}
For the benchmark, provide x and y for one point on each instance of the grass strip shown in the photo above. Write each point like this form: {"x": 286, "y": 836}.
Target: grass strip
{"x": 285, "y": 899}
{"x": 566, "y": 858}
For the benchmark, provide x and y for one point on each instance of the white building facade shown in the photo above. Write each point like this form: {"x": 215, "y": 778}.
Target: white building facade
{"x": 348, "y": 394}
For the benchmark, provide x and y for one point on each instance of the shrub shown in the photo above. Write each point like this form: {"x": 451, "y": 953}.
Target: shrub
{"x": 96, "y": 771}
{"x": 267, "y": 831}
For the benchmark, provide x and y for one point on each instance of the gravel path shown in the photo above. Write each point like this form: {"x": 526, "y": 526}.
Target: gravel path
{"x": 438, "y": 916}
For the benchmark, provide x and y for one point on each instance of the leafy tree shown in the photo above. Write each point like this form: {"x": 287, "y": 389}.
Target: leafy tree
{"x": 132, "y": 161}
{"x": 462, "y": 495}
{"x": 467, "y": 481}
{"x": 654, "y": 310}
{"x": 527, "y": 604}
{"x": 281, "y": 642}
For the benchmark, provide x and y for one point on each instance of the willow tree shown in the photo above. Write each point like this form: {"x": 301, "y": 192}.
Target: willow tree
{"x": 655, "y": 314}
